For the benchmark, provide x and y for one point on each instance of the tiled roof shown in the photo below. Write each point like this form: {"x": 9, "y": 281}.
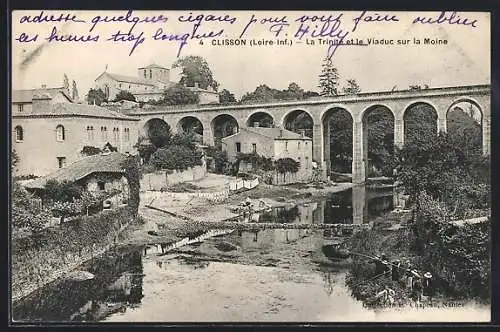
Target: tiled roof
{"x": 26, "y": 96}
{"x": 100, "y": 163}
{"x": 153, "y": 66}
{"x": 71, "y": 109}
{"x": 275, "y": 133}
{"x": 127, "y": 79}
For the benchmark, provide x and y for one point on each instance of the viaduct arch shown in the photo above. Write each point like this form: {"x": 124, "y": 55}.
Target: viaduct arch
{"x": 397, "y": 102}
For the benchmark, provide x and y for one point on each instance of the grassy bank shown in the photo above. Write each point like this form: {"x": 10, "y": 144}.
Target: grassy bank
{"x": 48, "y": 254}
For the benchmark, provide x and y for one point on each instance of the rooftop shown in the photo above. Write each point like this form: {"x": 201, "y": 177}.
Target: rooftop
{"x": 127, "y": 79}
{"x": 153, "y": 66}
{"x": 274, "y": 133}
{"x": 100, "y": 163}
{"x": 26, "y": 96}
{"x": 47, "y": 109}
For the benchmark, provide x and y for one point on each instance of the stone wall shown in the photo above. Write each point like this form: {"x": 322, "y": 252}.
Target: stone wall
{"x": 161, "y": 179}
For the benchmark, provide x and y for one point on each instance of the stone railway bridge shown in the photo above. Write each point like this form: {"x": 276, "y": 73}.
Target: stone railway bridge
{"x": 441, "y": 100}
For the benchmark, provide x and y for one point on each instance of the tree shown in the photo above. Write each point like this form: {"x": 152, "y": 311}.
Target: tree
{"x": 220, "y": 158}
{"x": 66, "y": 82}
{"x": 179, "y": 95}
{"x": 352, "y": 87}
{"x": 294, "y": 91}
{"x": 226, "y": 97}
{"x": 145, "y": 148}
{"x": 286, "y": 165}
{"x": 328, "y": 79}
{"x": 27, "y": 212}
{"x": 262, "y": 93}
{"x": 74, "y": 92}
{"x": 124, "y": 95}
{"x": 195, "y": 69}
{"x": 159, "y": 133}
{"x": 65, "y": 191}
{"x": 14, "y": 159}
{"x": 88, "y": 150}
{"x": 441, "y": 168}
{"x": 96, "y": 97}
{"x": 133, "y": 175}
{"x": 175, "y": 157}
{"x": 309, "y": 94}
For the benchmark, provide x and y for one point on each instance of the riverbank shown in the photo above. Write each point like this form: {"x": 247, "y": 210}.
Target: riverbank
{"x": 188, "y": 215}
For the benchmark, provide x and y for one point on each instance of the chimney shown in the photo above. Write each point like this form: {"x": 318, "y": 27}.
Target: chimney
{"x": 255, "y": 124}
{"x": 44, "y": 86}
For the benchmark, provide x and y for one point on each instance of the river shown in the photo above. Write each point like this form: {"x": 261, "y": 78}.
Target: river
{"x": 271, "y": 275}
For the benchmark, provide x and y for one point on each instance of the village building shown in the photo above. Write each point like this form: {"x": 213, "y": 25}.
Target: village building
{"x": 274, "y": 143}
{"x": 149, "y": 84}
{"x": 100, "y": 173}
{"x": 49, "y": 131}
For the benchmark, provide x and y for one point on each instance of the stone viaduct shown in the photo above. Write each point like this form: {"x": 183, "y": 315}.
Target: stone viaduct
{"x": 397, "y": 102}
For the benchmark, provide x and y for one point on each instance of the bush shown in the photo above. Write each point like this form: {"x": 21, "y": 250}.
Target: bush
{"x": 175, "y": 157}
{"x": 64, "y": 191}
{"x": 90, "y": 150}
{"x": 124, "y": 95}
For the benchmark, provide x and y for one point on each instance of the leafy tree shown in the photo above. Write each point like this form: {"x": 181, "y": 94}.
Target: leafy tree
{"x": 96, "y": 96}
{"x": 294, "y": 91}
{"x": 226, "y": 97}
{"x": 184, "y": 139}
{"x": 14, "y": 159}
{"x": 64, "y": 191}
{"x": 380, "y": 142}
{"x": 195, "y": 69}
{"x": 257, "y": 161}
{"x": 124, "y": 95}
{"x": 220, "y": 158}
{"x": 88, "y": 150}
{"x": 309, "y": 94}
{"x": 341, "y": 141}
{"x": 328, "y": 79}
{"x": 27, "y": 212}
{"x": 442, "y": 168}
{"x": 262, "y": 93}
{"x": 352, "y": 87}
{"x": 461, "y": 123}
{"x": 159, "y": 133}
{"x": 286, "y": 165}
{"x": 133, "y": 175}
{"x": 175, "y": 157}
{"x": 179, "y": 95}
{"x": 145, "y": 148}
{"x": 420, "y": 122}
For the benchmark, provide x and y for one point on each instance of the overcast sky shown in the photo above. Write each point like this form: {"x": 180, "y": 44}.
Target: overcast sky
{"x": 464, "y": 60}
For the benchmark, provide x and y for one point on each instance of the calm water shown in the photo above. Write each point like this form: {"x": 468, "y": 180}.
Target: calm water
{"x": 268, "y": 275}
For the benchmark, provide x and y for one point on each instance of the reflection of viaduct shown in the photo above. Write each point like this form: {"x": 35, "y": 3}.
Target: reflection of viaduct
{"x": 320, "y": 110}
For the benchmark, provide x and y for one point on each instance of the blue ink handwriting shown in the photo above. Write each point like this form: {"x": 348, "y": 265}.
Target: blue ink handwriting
{"x": 45, "y": 18}
{"x": 198, "y": 19}
{"x": 363, "y": 17}
{"x": 127, "y": 37}
{"x": 128, "y": 18}
{"x": 25, "y": 38}
{"x": 70, "y": 38}
{"x": 276, "y": 24}
{"x": 453, "y": 18}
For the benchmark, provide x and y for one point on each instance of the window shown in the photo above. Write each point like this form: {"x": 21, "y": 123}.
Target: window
{"x": 286, "y": 146}
{"x": 129, "y": 86}
{"x": 90, "y": 133}
{"x": 60, "y": 133}
{"x": 101, "y": 185}
{"x": 307, "y": 162}
{"x": 144, "y": 73}
{"x": 127, "y": 134}
{"x": 116, "y": 134}
{"x": 238, "y": 147}
{"x": 20, "y": 107}
{"x": 150, "y": 73}
{"x": 61, "y": 161}
{"x": 120, "y": 85}
{"x": 298, "y": 145}
{"x": 255, "y": 236}
{"x": 19, "y": 134}
{"x": 104, "y": 133}
{"x": 254, "y": 148}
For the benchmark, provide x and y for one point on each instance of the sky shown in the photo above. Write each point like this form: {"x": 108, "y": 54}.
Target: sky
{"x": 464, "y": 60}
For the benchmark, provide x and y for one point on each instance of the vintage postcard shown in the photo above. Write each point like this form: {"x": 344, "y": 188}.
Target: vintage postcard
{"x": 250, "y": 166}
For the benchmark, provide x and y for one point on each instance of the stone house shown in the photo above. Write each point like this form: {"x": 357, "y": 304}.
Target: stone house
{"x": 274, "y": 143}
{"x": 50, "y": 131}
{"x": 97, "y": 174}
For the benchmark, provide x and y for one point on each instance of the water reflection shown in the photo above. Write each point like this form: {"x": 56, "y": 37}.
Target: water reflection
{"x": 357, "y": 205}
{"x": 125, "y": 277}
